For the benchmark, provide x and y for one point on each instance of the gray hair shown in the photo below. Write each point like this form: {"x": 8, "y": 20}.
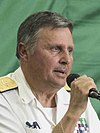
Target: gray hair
{"x": 29, "y": 29}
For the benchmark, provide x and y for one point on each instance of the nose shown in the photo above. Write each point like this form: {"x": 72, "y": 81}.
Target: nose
{"x": 65, "y": 58}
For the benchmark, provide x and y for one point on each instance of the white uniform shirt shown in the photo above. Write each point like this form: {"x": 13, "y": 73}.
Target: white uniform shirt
{"x": 21, "y": 112}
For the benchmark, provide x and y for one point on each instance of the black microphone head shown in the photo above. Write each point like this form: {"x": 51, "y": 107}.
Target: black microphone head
{"x": 71, "y": 77}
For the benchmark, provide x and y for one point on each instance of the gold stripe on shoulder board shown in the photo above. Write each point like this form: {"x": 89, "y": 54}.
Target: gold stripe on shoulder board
{"x": 6, "y": 84}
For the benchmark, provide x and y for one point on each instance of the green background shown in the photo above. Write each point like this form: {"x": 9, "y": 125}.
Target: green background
{"x": 85, "y": 15}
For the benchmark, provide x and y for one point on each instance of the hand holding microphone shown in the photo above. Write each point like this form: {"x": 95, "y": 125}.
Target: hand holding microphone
{"x": 93, "y": 93}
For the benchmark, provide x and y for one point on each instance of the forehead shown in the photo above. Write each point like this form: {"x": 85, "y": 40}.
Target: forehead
{"x": 51, "y": 31}
{"x": 57, "y": 35}
{"x": 48, "y": 32}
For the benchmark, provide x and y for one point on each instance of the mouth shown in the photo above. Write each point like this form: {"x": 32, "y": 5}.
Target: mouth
{"x": 60, "y": 71}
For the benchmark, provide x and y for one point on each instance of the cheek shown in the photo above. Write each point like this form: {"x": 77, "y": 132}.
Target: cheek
{"x": 50, "y": 64}
{"x": 45, "y": 62}
{"x": 70, "y": 65}
{"x": 71, "y": 61}
{"x": 46, "y": 59}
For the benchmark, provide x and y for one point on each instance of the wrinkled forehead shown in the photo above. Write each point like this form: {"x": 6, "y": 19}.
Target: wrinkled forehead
{"x": 55, "y": 36}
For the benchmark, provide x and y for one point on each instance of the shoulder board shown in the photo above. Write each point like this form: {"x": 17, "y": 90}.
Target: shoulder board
{"x": 7, "y": 84}
{"x": 67, "y": 88}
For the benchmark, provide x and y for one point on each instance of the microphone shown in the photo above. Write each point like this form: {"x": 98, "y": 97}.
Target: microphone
{"x": 93, "y": 93}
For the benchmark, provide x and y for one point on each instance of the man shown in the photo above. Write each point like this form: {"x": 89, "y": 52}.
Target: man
{"x": 33, "y": 98}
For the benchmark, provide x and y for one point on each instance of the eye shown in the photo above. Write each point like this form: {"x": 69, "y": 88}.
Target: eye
{"x": 70, "y": 50}
{"x": 56, "y": 49}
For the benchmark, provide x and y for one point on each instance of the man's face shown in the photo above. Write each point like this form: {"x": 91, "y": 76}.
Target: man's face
{"x": 52, "y": 60}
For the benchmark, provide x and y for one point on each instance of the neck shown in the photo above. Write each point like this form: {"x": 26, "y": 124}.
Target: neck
{"x": 46, "y": 100}
{"x": 43, "y": 92}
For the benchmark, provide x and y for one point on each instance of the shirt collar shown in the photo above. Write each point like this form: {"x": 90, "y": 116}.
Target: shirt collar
{"x": 23, "y": 87}
{"x": 63, "y": 96}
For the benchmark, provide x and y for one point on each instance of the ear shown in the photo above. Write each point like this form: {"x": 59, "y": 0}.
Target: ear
{"x": 22, "y": 52}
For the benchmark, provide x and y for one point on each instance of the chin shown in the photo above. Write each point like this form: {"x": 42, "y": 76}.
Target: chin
{"x": 58, "y": 82}
{"x": 61, "y": 84}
